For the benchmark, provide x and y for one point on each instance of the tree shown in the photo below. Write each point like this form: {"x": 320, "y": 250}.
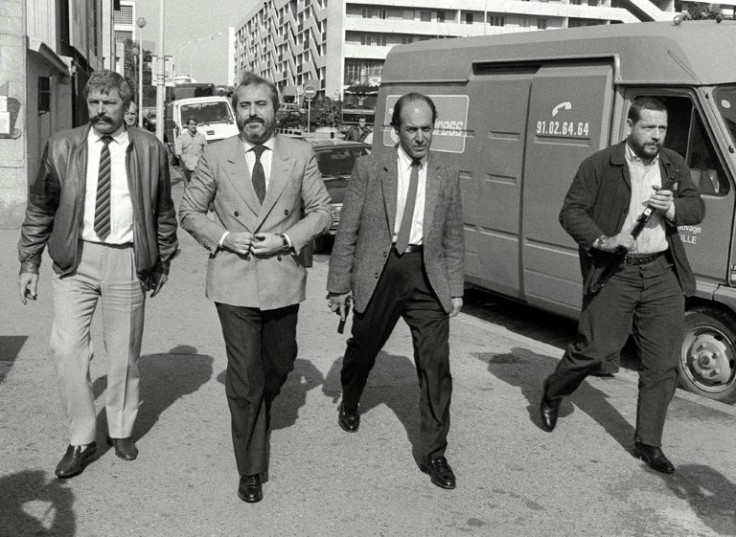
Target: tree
{"x": 361, "y": 91}
{"x": 130, "y": 70}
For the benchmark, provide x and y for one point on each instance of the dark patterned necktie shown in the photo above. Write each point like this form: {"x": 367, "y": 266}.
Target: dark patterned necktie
{"x": 402, "y": 239}
{"x": 104, "y": 179}
{"x": 259, "y": 176}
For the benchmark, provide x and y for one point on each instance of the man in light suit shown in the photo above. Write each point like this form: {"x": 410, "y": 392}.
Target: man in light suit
{"x": 399, "y": 250}
{"x": 269, "y": 202}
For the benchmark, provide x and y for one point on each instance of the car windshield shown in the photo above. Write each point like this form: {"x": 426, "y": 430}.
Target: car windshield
{"x": 206, "y": 113}
{"x": 725, "y": 98}
{"x": 339, "y": 161}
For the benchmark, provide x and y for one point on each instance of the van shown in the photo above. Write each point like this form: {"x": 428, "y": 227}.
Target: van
{"x": 214, "y": 115}
{"x": 518, "y": 113}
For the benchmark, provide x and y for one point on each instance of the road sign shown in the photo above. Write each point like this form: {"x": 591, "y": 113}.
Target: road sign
{"x": 310, "y": 91}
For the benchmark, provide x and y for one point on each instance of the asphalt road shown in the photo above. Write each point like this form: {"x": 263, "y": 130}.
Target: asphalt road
{"x": 514, "y": 479}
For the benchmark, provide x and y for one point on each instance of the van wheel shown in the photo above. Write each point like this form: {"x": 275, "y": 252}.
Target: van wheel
{"x": 708, "y": 355}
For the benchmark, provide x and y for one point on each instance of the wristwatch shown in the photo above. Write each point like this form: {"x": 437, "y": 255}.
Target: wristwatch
{"x": 600, "y": 241}
{"x": 285, "y": 246}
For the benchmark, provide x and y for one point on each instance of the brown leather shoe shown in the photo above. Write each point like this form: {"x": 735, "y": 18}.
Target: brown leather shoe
{"x": 74, "y": 460}
{"x": 124, "y": 448}
{"x": 250, "y": 489}
{"x": 349, "y": 420}
{"x": 440, "y": 473}
{"x": 653, "y": 457}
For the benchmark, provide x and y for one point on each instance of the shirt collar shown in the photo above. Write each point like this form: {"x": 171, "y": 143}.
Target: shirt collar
{"x": 268, "y": 143}
{"x": 121, "y": 137}
{"x": 405, "y": 160}
{"x": 633, "y": 157}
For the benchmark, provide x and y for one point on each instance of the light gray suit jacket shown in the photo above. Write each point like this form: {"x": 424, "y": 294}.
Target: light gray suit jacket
{"x": 363, "y": 240}
{"x": 296, "y": 203}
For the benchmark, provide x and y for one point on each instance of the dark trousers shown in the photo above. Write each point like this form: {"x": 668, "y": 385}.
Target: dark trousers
{"x": 404, "y": 291}
{"x": 261, "y": 349}
{"x": 645, "y": 301}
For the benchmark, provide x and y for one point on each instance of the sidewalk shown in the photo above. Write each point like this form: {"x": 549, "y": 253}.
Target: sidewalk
{"x": 513, "y": 478}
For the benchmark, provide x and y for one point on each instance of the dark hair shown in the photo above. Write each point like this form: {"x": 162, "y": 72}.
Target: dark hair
{"x": 192, "y": 118}
{"x": 105, "y": 81}
{"x": 410, "y": 98}
{"x": 252, "y": 79}
{"x": 644, "y": 103}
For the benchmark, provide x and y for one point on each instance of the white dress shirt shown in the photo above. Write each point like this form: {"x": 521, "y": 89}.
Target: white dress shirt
{"x": 652, "y": 238}
{"x": 266, "y": 157}
{"x": 121, "y": 205}
{"x": 417, "y": 223}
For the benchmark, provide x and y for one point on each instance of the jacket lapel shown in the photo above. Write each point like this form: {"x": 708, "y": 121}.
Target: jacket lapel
{"x": 432, "y": 190}
{"x": 281, "y": 167}
{"x": 236, "y": 170}
{"x": 389, "y": 175}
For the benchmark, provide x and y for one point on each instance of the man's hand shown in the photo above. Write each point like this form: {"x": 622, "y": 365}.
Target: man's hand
{"x": 623, "y": 240}
{"x": 240, "y": 243}
{"x": 265, "y": 244}
{"x": 338, "y": 303}
{"x": 159, "y": 279}
{"x": 457, "y": 305}
{"x": 661, "y": 199}
{"x": 28, "y": 286}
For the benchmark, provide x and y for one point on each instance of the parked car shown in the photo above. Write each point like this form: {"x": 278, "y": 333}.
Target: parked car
{"x": 336, "y": 159}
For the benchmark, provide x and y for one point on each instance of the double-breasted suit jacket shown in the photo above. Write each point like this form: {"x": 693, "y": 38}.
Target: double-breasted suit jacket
{"x": 296, "y": 203}
{"x": 364, "y": 239}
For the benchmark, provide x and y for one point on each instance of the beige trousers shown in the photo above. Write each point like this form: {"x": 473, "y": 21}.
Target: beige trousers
{"x": 105, "y": 274}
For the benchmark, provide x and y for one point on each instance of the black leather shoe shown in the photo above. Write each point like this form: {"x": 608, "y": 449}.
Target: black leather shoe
{"x": 549, "y": 409}
{"x": 440, "y": 473}
{"x": 250, "y": 489}
{"x": 348, "y": 420}
{"x": 74, "y": 460}
{"x": 653, "y": 457}
{"x": 124, "y": 448}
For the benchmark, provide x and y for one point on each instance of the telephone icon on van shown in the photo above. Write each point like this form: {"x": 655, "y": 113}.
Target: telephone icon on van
{"x": 567, "y": 105}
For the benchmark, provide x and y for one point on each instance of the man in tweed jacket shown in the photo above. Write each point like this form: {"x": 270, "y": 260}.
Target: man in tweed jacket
{"x": 402, "y": 266}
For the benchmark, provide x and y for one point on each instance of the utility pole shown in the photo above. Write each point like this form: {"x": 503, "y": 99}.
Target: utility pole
{"x": 161, "y": 81}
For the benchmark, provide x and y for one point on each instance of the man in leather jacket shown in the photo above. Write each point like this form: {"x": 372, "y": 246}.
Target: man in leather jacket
{"x": 101, "y": 203}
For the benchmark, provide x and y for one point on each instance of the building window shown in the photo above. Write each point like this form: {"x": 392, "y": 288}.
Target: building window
{"x": 425, "y": 16}
{"x": 120, "y": 37}
{"x": 541, "y": 24}
{"x": 497, "y": 20}
{"x": 468, "y": 17}
{"x": 44, "y": 95}
{"x": 124, "y": 16}
{"x": 440, "y": 16}
{"x": 525, "y": 22}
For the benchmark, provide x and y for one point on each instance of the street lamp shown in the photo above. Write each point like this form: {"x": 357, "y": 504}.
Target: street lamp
{"x": 141, "y": 22}
{"x": 181, "y": 48}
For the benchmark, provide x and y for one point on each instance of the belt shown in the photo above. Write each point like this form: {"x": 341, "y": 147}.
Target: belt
{"x": 414, "y": 248}
{"x": 642, "y": 259}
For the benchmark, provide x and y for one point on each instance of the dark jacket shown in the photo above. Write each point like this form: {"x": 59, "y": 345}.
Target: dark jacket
{"x": 363, "y": 240}
{"x": 597, "y": 203}
{"x": 55, "y": 211}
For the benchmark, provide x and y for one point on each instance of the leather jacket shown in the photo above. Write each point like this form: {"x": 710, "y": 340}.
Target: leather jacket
{"x": 55, "y": 212}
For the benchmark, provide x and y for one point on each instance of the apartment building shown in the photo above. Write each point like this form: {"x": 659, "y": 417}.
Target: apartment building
{"x": 333, "y": 44}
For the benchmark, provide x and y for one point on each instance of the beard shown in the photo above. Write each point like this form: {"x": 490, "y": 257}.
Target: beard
{"x": 255, "y": 129}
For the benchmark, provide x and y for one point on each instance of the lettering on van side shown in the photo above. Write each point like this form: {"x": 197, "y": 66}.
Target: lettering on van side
{"x": 688, "y": 234}
{"x": 579, "y": 129}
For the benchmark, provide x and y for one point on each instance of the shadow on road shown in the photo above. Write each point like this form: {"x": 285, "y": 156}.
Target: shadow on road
{"x": 709, "y": 493}
{"x": 35, "y": 507}
{"x": 393, "y": 382}
{"x": 10, "y": 347}
{"x": 165, "y": 378}
{"x": 527, "y": 370}
{"x": 293, "y": 395}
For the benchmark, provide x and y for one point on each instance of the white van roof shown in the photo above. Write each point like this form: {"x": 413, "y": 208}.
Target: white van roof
{"x": 692, "y": 53}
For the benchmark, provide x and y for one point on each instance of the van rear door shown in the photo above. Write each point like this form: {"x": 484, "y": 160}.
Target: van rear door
{"x": 569, "y": 119}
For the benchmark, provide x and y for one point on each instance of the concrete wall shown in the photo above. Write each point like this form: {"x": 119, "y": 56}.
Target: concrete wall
{"x": 13, "y": 152}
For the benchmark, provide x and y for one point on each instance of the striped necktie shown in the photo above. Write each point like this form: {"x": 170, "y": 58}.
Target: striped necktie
{"x": 104, "y": 177}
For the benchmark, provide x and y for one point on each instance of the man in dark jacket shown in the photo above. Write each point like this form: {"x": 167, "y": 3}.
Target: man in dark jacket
{"x": 647, "y": 291}
{"x": 102, "y": 203}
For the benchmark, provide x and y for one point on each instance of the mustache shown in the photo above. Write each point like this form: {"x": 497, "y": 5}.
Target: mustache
{"x": 101, "y": 119}
{"x": 254, "y": 119}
